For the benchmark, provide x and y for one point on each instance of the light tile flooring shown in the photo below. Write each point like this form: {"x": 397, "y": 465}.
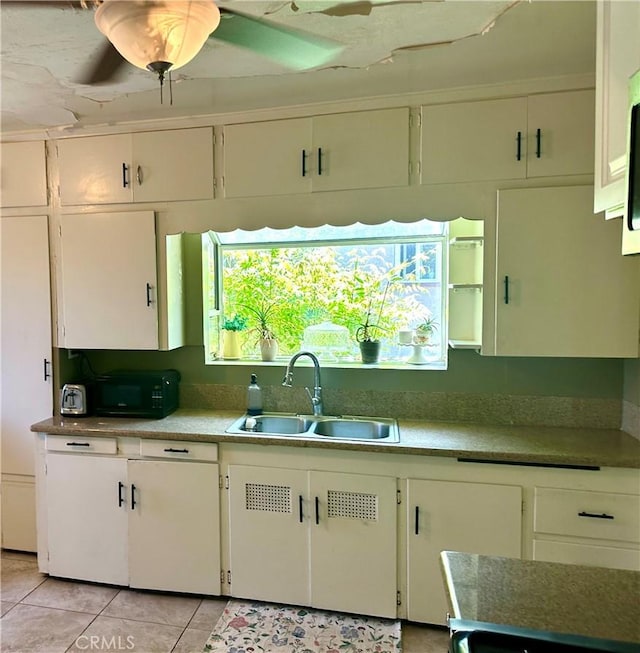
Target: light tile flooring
{"x": 49, "y": 615}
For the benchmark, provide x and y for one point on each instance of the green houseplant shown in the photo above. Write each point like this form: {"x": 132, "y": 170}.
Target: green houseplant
{"x": 266, "y": 337}
{"x": 425, "y": 330}
{"x": 369, "y": 331}
{"x": 231, "y": 345}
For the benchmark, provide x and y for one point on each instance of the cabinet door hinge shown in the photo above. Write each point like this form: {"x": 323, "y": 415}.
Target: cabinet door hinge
{"x": 226, "y": 482}
{"x": 398, "y": 598}
{"x": 523, "y": 507}
{"x": 229, "y": 577}
{"x": 398, "y": 497}
{"x": 220, "y": 482}
{"x": 222, "y": 577}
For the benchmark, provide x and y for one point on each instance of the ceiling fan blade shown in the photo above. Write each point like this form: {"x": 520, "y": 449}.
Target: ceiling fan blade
{"x": 104, "y": 66}
{"x": 60, "y": 4}
{"x": 291, "y": 47}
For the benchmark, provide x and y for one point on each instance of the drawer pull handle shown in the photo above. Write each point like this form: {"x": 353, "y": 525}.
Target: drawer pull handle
{"x": 594, "y": 515}
{"x": 120, "y": 498}
{"x": 172, "y": 450}
{"x": 417, "y": 521}
{"x": 300, "y": 504}
{"x": 519, "y": 146}
{"x": 304, "y": 163}
{"x": 78, "y": 444}
{"x": 317, "y": 502}
{"x": 133, "y": 497}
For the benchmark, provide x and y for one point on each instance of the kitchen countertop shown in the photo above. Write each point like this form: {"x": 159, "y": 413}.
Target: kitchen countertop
{"x": 503, "y": 444}
{"x": 548, "y": 596}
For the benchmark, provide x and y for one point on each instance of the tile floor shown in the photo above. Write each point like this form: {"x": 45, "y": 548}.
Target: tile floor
{"x": 49, "y": 615}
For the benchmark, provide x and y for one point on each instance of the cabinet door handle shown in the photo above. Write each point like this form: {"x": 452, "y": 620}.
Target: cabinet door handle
{"x": 506, "y": 289}
{"x": 149, "y": 299}
{"x": 46, "y": 373}
{"x": 139, "y": 177}
{"x": 593, "y": 515}
{"x": 304, "y": 163}
{"x": 125, "y": 181}
{"x": 519, "y": 147}
{"x": 171, "y": 450}
{"x": 317, "y": 510}
{"x": 417, "y": 521}
{"x": 300, "y": 504}
{"x": 538, "y": 143}
{"x": 78, "y": 444}
{"x": 120, "y": 498}
{"x": 133, "y": 496}
{"x": 319, "y": 160}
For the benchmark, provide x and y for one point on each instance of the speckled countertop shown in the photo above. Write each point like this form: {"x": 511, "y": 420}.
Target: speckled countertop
{"x": 549, "y": 596}
{"x": 524, "y": 444}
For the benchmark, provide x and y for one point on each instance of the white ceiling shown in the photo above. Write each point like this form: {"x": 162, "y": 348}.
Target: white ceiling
{"x": 459, "y": 43}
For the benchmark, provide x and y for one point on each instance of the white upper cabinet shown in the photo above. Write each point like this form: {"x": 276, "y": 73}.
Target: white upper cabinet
{"x": 474, "y": 141}
{"x": 23, "y": 175}
{"x": 617, "y": 58}
{"x": 560, "y": 134}
{"x": 267, "y": 158}
{"x": 143, "y": 167}
{"x": 364, "y": 149}
{"x": 562, "y": 288}
{"x": 109, "y": 281}
{"x": 537, "y": 136}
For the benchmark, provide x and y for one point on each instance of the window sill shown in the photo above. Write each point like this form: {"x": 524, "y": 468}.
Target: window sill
{"x": 282, "y": 362}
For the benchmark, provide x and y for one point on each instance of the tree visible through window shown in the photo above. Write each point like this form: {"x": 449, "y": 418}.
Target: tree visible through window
{"x": 318, "y": 285}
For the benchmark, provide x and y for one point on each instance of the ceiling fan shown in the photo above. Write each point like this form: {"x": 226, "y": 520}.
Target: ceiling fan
{"x": 163, "y": 35}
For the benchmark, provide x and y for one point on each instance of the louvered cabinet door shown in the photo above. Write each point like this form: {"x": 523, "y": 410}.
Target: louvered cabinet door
{"x": 269, "y": 534}
{"x": 353, "y": 543}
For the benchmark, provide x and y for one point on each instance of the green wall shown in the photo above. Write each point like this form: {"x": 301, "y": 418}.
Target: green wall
{"x": 468, "y": 373}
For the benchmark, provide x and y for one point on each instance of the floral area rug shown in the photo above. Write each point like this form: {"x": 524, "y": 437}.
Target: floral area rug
{"x": 253, "y": 627}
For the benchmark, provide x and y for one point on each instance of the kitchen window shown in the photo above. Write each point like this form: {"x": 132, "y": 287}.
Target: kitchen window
{"x": 317, "y": 286}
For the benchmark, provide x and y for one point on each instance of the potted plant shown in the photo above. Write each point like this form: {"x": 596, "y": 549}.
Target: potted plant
{"x": 266, "y": 337}
{"x": 425, "y": 330}
{"x": 367, "y": 333}
{"x": 231, "y": 346}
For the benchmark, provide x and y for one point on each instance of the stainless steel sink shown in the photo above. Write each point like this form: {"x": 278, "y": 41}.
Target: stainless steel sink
{"x": 277, "y": 424}
{"x": 340, "y": 428}
{"x": 355, "y": 428}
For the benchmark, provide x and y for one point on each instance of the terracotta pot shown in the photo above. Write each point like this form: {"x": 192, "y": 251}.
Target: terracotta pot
{"x": 268, "y": 349}
{"x": 370, "y": 351}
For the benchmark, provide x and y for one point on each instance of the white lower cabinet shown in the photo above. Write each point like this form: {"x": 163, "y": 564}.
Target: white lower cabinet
{"x": 442, "y": 515}
{"x": 87, "y": 517}
{"x": 151, "y": 524}
{"x": 587, "y": 528}
{"x": 324, "y": 539}
{"x": 26, "y": 370}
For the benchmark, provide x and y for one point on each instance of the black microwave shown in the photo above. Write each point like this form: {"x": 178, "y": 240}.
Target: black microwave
{"x": 137, "y": 393}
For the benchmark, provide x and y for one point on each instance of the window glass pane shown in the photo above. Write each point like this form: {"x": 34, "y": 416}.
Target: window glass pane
{"x": 327, "y": 294}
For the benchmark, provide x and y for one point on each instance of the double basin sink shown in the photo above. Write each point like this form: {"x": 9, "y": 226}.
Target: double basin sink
{"x": 343, "y": 427}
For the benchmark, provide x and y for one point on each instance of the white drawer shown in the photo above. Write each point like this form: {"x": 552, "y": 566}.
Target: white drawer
{"x": 179, "y": 450}
{"x": 586, "y": 554}
{"x": 598, "y": 515}
{"x": 81, "y": 444}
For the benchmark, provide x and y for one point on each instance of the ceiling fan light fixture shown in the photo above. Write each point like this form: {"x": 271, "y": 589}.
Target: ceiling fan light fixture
{"x": 149, "y": 31}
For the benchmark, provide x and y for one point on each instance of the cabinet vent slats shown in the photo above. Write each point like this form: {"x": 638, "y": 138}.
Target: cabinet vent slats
{"x": 352, "y": 505}
{"x": 268, "y": 498}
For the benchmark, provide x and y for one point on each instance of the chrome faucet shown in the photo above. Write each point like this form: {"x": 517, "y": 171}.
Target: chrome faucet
{"x": 316, "y": 397}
